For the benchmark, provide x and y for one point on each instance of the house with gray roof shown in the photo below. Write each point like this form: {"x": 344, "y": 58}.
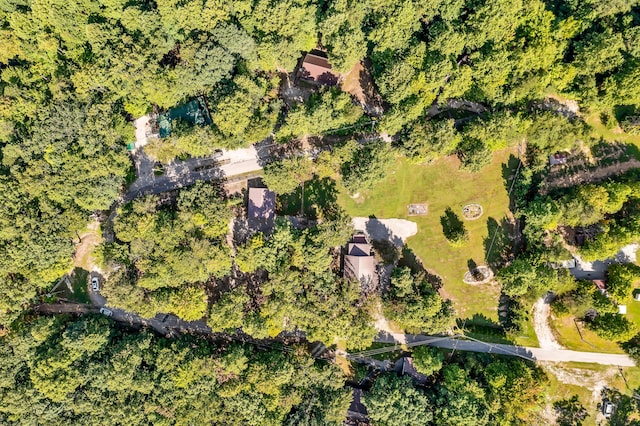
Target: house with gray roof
{"x": 359, "y": 263}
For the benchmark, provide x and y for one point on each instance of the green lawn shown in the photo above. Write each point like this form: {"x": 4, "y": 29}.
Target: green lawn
{"x": 612, "y": 135}
{"x": 79, "y": 283}
{"x": 442, "y": 185}
{"x": 567, "y": 334}
{"x": 633, "y": 309}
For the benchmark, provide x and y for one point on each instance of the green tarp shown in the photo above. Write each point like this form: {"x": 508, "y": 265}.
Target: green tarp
{"x": 194, "y": 113}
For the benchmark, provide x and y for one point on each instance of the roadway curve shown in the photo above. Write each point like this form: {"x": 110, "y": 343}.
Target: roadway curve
{"x": 533, "y": 354}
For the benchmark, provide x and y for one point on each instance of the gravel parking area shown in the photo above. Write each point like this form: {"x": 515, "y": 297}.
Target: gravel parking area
{"x": 395, "y": 230}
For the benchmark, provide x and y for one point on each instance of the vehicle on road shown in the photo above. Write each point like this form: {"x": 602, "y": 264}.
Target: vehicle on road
{"x": 95, "y": 284}
{"x": 105, "y": 311}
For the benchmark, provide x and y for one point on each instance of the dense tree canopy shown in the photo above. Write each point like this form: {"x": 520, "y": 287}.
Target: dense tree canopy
{"x": 164, "y": 253}
{"x": 62, "y": 371}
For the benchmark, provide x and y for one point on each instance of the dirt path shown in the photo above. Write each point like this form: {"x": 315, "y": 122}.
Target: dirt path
{"x": 541, "y": 312}
{"x": 83, "y": 257}
{"x": 589, "y": 176}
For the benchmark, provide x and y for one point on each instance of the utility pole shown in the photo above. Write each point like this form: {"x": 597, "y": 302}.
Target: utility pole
{"x": 302, "y": 201}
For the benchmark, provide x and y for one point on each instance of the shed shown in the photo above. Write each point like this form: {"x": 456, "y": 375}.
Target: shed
{"x": 261, "y": 209}
{"x": 316, "y": 69}
{"x": 558, "y": 158}
{"x": 622, "y": 309}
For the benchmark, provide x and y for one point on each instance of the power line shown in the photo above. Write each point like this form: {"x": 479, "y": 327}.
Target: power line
{"x": 495, "y": 233}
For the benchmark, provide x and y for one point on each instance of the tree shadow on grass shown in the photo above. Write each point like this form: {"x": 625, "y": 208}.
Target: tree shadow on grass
{"x": 483, "y": 327}
{"x": 498, "y": 246}
{"x": 410, "y": 260}
{"x": 453, "y": 227}
{"x": 508, "y": 174}
{"x": 570, "y": 411}
{"x": 320, "y": 200}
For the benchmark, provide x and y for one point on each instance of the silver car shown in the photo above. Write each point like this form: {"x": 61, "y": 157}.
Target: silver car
{"x": 95, "y": 284}
{"x": 105, "y": 311}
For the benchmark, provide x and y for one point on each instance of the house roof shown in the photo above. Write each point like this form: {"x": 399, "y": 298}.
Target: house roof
{"x": 359, "y": 249}
{"x": 359, "y": 264}
{"x": 558, "y": 158}
{"x": 317, "y": 69}
{"x": 359, "y": 267}
{"x": 261, "y": 209}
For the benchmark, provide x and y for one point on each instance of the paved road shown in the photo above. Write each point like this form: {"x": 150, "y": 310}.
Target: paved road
{"x": 184, "y": 173}
{"x": 533, "y": 354}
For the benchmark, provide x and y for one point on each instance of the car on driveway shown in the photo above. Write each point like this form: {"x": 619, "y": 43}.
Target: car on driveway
{"x": 95, "y": 284}
{"x": 105, "y": 311}
{"x": 607, "y": 409}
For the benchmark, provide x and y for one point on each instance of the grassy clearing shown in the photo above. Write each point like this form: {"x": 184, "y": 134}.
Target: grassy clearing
{"x": 318, "y": 194}
{"x": 442, "y": 185}
{"x": 90, "y": 238}
{"x": 586, "y": 381}
{"x": 528, "y": 336}
{"x": 567, "y": 334}
{"x": 599, "y": 130}
{"x": 79, "y": 283}
{"x": 633, "y": 309}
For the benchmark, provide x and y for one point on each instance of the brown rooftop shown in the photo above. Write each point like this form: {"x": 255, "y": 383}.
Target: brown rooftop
{"x": 317, "y": 69}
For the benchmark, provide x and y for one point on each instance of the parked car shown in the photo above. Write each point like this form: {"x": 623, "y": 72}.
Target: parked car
{"x": 607, "y": 409}
{"x": 95, "y": 284}
{"x": 105, "y": 311}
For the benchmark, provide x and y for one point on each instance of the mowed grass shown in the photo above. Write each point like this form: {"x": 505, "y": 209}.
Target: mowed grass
{"x": 568, "y": 336}
{"x": 599, "y": 130}
{"x": 442, "y": 185}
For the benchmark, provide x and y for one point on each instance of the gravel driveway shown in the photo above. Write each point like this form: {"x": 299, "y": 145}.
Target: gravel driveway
{"x": 395, "y": 230}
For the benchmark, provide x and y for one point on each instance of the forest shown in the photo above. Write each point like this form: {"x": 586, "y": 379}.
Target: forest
{"x": 64, "y": 370}
{"x": 456, "y": 78}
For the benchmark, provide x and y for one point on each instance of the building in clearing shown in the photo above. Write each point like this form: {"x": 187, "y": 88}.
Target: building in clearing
{"x": 558, "y": 159}
{"x": 359, "y": 263}
{"x": 261, "y": 209}
{"x": 316, "y": 69}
